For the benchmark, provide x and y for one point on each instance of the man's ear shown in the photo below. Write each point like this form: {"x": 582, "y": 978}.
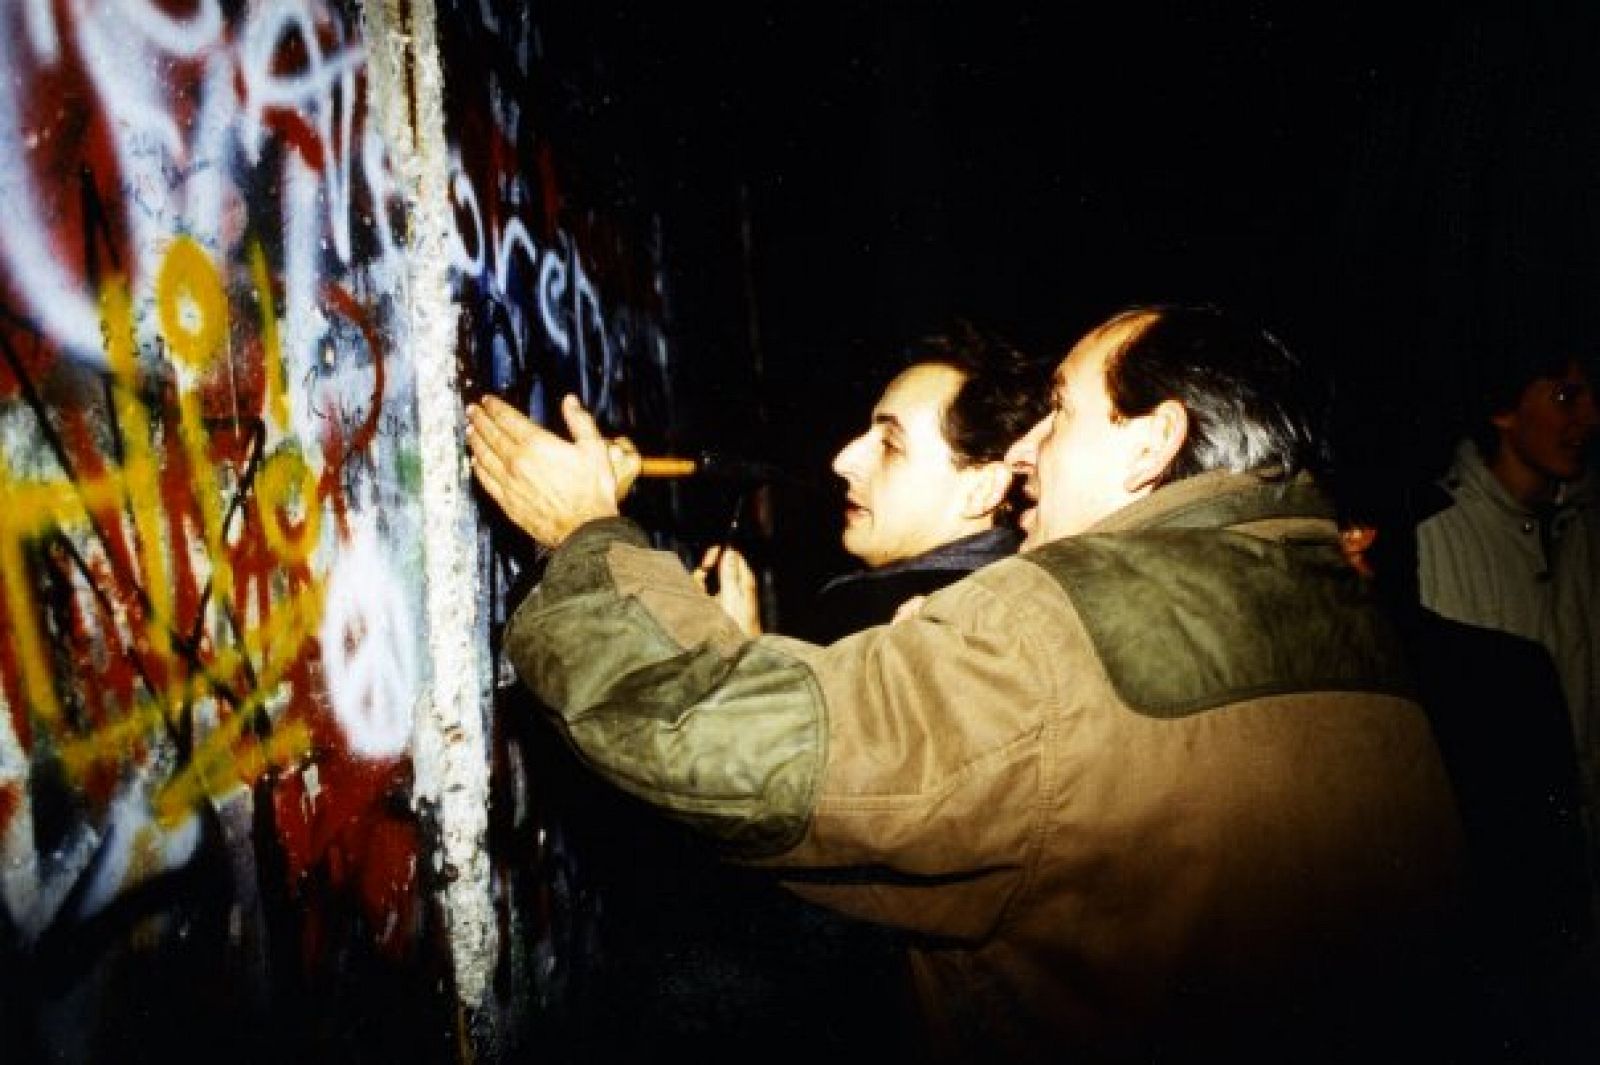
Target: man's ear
{"x": 1159, "y": 436}
{"x": 985, "y": 489}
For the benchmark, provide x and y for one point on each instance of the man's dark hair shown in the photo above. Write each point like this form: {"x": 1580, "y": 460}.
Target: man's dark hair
{"x": 1540, "y": 321}
{"x": 1252, "y": 405}
{"x": 1004, "y": 392}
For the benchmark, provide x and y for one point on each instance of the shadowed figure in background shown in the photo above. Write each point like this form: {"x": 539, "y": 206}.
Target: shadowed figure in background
{"x": 1515, "y": 545}
{"x": 1496, "y": 706}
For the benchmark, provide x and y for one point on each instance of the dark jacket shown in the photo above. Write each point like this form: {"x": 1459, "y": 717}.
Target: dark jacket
{"x": 858, "y": 600}
{"x": 1497, "y": 710}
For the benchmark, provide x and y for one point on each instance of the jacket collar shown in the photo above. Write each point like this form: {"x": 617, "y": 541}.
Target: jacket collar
{"x": 1220, "y": 499}
{"x": 962, "y": 556}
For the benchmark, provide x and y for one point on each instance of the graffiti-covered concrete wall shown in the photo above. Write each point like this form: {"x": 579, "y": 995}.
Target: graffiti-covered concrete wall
{"x": 249, "y": 263}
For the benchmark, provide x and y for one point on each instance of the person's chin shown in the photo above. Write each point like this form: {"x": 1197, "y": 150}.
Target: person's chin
{"x": 853, "y": 539}
{"x": 1573, "y": 463}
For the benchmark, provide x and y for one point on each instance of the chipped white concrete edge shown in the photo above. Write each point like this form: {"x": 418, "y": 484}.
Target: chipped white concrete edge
{"x": 449, "y": 740}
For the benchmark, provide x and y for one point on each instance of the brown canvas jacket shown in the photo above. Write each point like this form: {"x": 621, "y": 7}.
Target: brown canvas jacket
{"x": 1153, "y": 790}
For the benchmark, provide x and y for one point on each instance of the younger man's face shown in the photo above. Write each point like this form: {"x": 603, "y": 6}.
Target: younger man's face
{"x": 905, "y": 493}
{"x": 1549, "y": 430}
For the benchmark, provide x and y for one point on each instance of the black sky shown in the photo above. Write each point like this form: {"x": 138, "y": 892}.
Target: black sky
{"x": 1394, "y": 189}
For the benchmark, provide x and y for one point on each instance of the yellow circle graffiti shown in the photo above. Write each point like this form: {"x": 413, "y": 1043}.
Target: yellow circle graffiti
{"x": 192, "y": 304}
{"x": 283, "y": 476}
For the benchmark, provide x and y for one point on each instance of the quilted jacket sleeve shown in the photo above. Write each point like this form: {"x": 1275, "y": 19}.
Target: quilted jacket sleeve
{"x": 658, "y": 692}
{"x": 861, "y": 769}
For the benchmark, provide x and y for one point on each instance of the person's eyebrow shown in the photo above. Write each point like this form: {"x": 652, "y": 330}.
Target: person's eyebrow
{"x": 891, "y": 425}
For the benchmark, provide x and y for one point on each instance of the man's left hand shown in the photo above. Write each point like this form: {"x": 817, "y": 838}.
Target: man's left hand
{"x": 546, "y": 485}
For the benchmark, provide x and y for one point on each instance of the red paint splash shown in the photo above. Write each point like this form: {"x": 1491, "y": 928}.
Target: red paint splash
{"x": 10, "y": 802}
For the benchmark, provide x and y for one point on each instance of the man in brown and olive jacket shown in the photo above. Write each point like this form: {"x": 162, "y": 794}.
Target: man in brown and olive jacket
{"x": 1155, "y": 789}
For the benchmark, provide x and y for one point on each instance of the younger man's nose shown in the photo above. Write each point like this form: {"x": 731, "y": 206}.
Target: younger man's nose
{"x": 847, "y": 462}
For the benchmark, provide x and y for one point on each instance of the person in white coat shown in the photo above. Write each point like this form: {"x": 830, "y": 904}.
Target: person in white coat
{"x": 1518, "y": 548}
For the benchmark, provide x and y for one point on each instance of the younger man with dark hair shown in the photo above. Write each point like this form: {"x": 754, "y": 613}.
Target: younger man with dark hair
{"x": 928, "y": 494}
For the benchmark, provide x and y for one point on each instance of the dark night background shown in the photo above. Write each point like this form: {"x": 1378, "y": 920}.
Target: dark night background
{"x": 1399, "y": 191}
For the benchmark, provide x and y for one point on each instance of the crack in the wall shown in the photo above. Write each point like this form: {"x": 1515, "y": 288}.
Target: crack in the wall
{"x": 449, "y": 743}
